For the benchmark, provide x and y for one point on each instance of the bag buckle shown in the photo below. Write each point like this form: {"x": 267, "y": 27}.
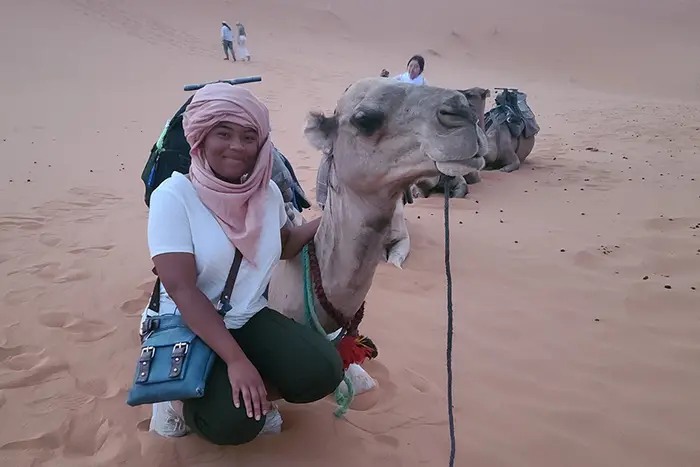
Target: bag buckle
{"x": 178, "y": 356}
{"x": 149, "y": 324}
{"x": 224, "y": 306}
{"x": 180, "y": 349}
{"x": 144, "y": 368}
{"x": 147, "y": 353}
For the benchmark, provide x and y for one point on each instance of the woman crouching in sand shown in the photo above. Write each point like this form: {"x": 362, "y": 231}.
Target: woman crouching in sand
{"x": 196, "y": 222}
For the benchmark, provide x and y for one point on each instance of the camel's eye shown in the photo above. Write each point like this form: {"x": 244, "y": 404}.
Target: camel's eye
{"x": 368, "y": 121}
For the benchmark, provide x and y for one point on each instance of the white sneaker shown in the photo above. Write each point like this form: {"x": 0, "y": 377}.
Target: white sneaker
{"x": 167, "y": 421}
{"x": 273, "y": 422}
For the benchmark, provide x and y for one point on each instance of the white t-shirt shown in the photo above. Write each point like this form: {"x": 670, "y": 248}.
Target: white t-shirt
{"x": 178, "y": 222}
{"x": 406, "y": 78}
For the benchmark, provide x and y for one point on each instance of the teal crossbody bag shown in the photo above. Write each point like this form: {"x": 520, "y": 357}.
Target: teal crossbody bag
{"x": 175, "y": 363}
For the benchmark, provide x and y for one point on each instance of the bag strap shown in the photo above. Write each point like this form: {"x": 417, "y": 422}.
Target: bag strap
{"x": 225, "y": 298}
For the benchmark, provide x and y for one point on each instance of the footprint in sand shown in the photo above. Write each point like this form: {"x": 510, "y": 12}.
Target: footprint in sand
{"x": 49, "y": 440}
{"x": 100, "y": 388}
{"x": 93, "y": 251}
{"x": 21, "y": 222}
{"x": 20, "y": 368}
{"x": 387, "y": 411}
{"x": 388, "y": 440}
{"x": 385, "y": 389}
{"x": 7, "y": 351}
{"x": 52, "y": 271}
{"x": 49, "y": 240}
{"x": 82, "y": 435}
{"x": 90, "y": 219}
{"x": 17, "y": 297}
{"x": 147, "y": 286}
{"x": 72, "y": 275}
{"x": 82, "y": 330}
{"x": 144, "y": 425}
{"x": 23, "y": 361}
{"x": 63, "y": 401}
{"x": 47, "y": 270}
{"x": 134, "y": 307}
{"x": 421, "y": 384}
{"x": 92, "y": 437}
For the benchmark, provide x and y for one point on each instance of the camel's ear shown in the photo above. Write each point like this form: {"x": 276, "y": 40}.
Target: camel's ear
{"x": 321, "y": 131}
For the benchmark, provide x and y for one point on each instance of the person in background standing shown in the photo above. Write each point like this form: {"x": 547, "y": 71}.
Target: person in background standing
{"x": 227, "y": 40}
{"x": 241, "y": 41}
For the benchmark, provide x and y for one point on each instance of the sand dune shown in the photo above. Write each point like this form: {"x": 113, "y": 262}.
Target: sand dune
{"x": 576, "y": 299}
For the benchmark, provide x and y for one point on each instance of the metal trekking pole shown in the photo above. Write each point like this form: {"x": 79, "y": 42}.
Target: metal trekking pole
{"x": 248, "y": 79}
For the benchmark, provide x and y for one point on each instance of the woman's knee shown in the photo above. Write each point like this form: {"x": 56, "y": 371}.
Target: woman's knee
{"x": 316, "y": 379}
{"x": 227, "y": 426}
{"x": 298, "y": 361}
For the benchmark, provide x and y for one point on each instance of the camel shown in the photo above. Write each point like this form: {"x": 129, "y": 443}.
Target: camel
{"x": 511, "y": 138}
{"x": 511, "y": 129}
{"x": 456, "y": 186}
{"x": 383, "y": 136}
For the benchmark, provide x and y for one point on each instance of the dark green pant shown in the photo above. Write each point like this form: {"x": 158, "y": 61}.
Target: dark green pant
{"x": 295, "y": 360}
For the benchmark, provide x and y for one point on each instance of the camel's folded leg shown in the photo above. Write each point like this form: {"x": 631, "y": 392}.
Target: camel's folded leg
{"x": 457, "y": 187}
{"x": 397, "y": 243}
{"x": 512, "y": 162}
{"x": 398, "y": 252}
{"x": 472, "y": 177}
{"x": 424, "y": 187}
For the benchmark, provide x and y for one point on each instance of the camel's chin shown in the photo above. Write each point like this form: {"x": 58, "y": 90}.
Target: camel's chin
{"x": 458, "y": 168}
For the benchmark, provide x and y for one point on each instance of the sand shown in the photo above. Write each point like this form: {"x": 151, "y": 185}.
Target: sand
{"x": 576, "y": 301}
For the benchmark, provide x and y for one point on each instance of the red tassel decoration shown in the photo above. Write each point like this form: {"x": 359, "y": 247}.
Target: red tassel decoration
{"x": 356, "y": 349}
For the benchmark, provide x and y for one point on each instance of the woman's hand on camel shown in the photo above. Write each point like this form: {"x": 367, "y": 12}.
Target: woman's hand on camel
{"x": 246, "y": 382}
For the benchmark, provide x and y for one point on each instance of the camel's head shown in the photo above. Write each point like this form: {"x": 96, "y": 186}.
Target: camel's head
{"x": 385, "y": 134}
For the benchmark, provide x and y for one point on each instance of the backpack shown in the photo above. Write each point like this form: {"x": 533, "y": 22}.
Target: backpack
{"x": 171, "y": 153}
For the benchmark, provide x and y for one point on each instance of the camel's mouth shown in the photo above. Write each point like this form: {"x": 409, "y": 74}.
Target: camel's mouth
{"x": 461, "y": 167}
{"x": 450, "y": 158}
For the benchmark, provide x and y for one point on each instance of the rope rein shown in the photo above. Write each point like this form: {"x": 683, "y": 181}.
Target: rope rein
{"x": 450, "y": 325}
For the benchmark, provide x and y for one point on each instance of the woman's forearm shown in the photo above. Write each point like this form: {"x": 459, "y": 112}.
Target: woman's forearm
{"x": 297, "y": 237}
{"x": 202, "y": 318}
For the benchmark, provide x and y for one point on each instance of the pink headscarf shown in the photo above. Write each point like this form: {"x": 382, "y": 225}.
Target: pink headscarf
{"x": 239, "y": 208}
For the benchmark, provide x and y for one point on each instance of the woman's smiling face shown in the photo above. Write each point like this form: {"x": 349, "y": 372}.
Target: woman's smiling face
{"x": 231, "y": 150}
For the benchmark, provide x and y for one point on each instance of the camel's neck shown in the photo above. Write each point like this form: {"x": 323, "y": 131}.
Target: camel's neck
{"x": 349, "y": 245}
